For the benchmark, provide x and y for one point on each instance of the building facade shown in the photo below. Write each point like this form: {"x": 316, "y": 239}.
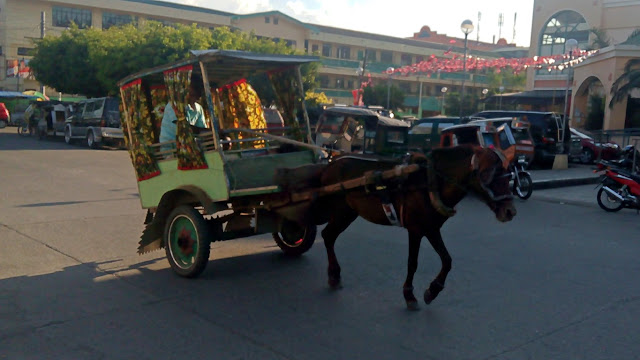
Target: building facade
{"x": 600, "y": 24}
{"x": 341, "y": 51}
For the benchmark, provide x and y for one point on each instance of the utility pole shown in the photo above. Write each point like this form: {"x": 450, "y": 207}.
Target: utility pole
{"x": 42, "y": 27}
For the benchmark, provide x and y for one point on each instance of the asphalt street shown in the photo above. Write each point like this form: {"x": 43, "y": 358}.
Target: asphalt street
{"x": 557, "y": 282}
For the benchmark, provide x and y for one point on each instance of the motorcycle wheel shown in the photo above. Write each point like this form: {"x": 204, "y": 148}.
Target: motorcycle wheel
{"x": 608, "y": 203}
{"x": 524, "y": 188}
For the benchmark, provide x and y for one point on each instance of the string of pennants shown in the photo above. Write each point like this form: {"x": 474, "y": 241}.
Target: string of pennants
{"x": 456, "y": 63}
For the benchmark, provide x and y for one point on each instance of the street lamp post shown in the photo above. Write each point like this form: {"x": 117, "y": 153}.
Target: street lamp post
{"x": 390, "y": 73}
{"x": 467, "y": 28}
{"x": 484, "y": 97}
{"x": 444, "y": 91}
{"x": 501, "y": 88}
{"x": 569, "y": 45}
{"x": 419, "y": 98}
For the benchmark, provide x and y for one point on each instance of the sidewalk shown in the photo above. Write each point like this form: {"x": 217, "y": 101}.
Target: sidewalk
{"x": 575, "y": 175}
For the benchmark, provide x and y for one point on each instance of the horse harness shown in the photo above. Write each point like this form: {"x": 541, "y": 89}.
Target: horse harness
{"x": 375, "y": 184}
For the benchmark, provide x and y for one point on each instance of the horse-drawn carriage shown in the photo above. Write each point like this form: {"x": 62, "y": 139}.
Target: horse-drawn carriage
{"x": 230, "y": 176}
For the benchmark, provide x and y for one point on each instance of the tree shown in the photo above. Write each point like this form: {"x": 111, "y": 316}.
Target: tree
{"x": 377, "y": 95}
{"x": 600, "y": 39}
{"x": 629, "y": 80}
{"x": 92, "y": 61}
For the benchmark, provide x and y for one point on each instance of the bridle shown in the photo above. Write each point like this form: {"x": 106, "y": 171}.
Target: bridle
{"x": 434, "y": 195}
{"x": 484, "y": 184}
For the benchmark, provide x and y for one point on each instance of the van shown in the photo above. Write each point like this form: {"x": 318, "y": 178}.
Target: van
{"x": 424, "y": 134}
{"x": 549, "y": 138}
{"x": 95, "y": 121}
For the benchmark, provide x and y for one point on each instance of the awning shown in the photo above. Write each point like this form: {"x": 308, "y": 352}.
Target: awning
{"x": 533, "y": 97}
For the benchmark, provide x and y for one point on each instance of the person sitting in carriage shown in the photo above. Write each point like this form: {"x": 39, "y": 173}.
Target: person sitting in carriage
{"x": 195, "y": 112}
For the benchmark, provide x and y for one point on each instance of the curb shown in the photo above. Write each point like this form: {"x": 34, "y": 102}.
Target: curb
{"x": 556, "y": 183}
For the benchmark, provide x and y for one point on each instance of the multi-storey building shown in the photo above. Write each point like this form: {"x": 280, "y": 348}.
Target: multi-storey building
{"x": 342, "y": 51}
{"x": 557, "y": 21}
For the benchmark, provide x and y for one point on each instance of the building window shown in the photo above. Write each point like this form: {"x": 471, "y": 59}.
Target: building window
{"x": 349, "y": 84}
{"x": 324, "y": 81}
{"x": 344, "y": 52}
{"x": 64, "y": 16}
{"x": 405, "y": 87}
{"x": 419, "y": 59}
{"x": 25, "y": 51}
{"x": 339, "y": 83}
{"x": 386, "y": 57}
{"x": 315, "y": 49}
{"x": 326, "y": 50}
{"x": 275, "y": 21}
{"x": 111, "y": 19}
{"x": 267, "y": 19}
{"x": 291, "y": 43}
{"x": 562, "y": 26}
{"x": 405, "y": 59}
{"x": 371, "y": 55}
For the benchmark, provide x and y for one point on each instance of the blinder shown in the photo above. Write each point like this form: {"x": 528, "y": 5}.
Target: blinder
{"x": 486, "y": 180}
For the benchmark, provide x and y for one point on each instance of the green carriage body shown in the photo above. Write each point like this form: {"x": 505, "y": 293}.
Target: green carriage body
{"x": 226, "y": 171}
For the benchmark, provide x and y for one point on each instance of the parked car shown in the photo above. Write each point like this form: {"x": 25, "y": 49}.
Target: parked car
{"x": 4, "y": 116}
{"x": 546, "y": 132}
{"x": 585, "y": 149}
{"x": 96, "y": 121}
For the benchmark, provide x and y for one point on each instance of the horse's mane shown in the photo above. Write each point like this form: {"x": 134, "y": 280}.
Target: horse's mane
{"x": 445, "y": 156}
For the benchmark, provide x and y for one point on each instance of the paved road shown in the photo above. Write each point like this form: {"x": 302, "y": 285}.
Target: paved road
{"x": 558, "y": 282}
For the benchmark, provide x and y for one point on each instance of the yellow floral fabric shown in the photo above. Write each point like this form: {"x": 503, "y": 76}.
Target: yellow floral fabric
{"x": 138, "y": 130}
{"x": 190, "y": 156}
{"x": 242, "y": 109}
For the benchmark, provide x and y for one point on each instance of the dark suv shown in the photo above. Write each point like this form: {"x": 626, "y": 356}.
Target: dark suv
{"x": 544, "y": 132}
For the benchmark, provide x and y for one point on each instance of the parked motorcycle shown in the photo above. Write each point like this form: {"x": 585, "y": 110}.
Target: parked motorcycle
{"x": 522, "y": 183}
{"x": 619, "y": 188}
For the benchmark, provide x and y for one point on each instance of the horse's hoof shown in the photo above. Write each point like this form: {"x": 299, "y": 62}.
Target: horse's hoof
{"x": 428, "y": 298}
{"x": 413, "y": 306}
{"x": 335, "y": 284}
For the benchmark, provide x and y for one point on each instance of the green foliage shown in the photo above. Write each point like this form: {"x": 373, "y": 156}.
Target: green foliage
{"x": 377, "y": 95}
{"x": 600, "y": 39}
{"x": 506, "y": 78}
{"x": 452, "y": 104}
{"x": 91, "y": 61}
{"x": 596, "y": 113}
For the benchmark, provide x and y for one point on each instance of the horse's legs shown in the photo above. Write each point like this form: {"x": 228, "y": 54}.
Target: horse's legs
{"x": 412, "y": 265}
{"x": 335, "y": 227}
{"x": 438, "y": 283}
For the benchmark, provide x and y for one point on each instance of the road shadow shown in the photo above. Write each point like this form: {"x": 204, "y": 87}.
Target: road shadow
{"x": 11, "y": 140}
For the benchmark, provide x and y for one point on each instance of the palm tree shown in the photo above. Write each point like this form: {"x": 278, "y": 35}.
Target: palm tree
{"x": 601, "y": 38}
{"x": 629, "y": 80}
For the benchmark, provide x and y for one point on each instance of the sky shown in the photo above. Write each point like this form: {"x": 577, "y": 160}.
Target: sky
{"x": 399, "y": 18}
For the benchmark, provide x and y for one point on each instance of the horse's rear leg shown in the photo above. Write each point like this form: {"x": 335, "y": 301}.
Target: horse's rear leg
{"x": 340, "y": 221}
{"x": 412, "y": 266}
{"x": 438, "y": 283}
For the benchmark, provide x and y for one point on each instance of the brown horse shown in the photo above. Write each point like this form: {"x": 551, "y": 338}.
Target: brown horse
{"x": 423, "y": 202}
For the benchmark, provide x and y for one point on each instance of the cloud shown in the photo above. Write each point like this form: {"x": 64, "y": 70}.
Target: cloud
{"x": 399, "y": 18}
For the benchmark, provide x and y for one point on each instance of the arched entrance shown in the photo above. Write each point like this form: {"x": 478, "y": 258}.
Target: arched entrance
{"x": 589, "y": 104}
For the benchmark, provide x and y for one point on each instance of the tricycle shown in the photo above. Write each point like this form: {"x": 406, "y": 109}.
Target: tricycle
{"x": 351, "y": 129}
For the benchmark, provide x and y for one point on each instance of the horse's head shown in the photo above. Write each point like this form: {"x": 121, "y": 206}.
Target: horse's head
{"x": 491, "y": 182}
